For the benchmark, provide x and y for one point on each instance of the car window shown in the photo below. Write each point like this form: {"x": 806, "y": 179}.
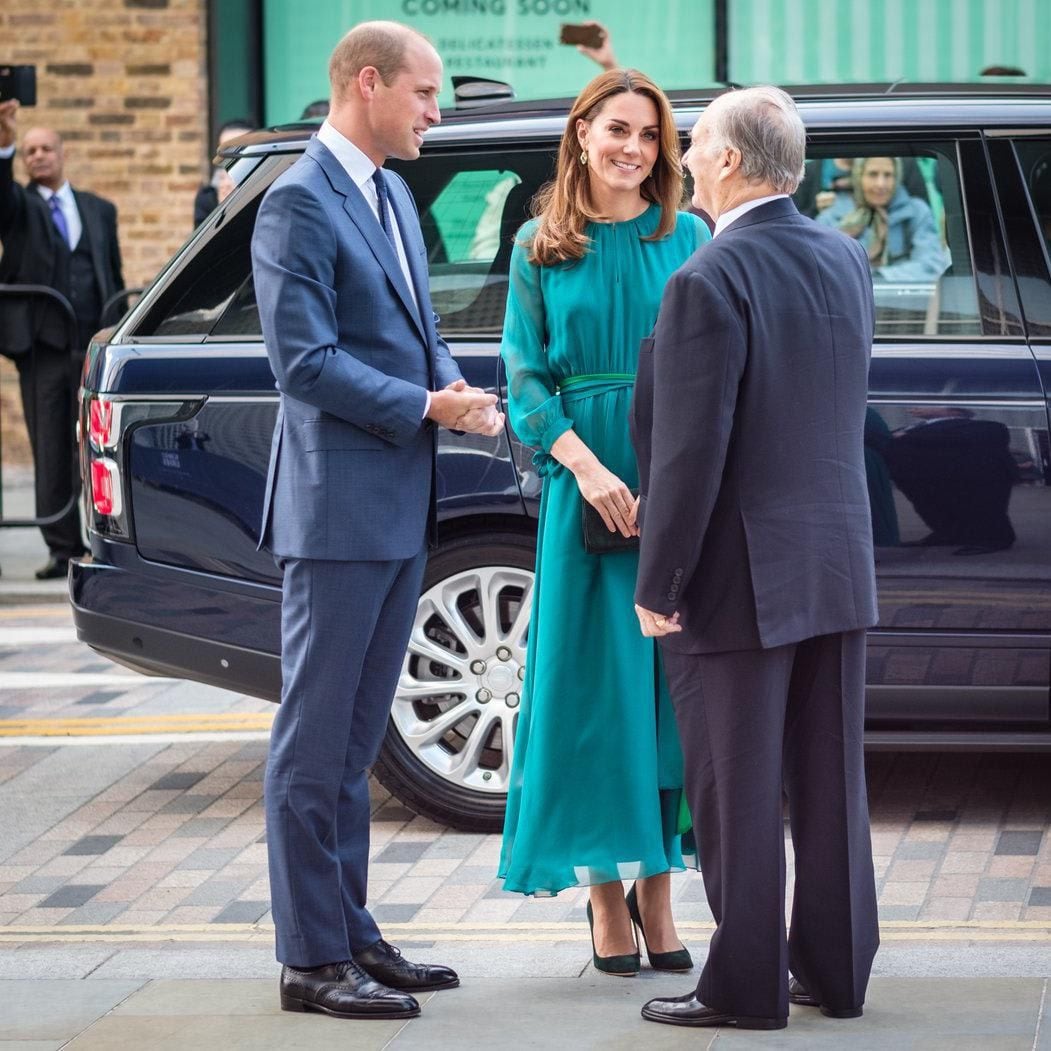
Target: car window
{"x": 902, "y": 202}
{"x": 193, "y": 304}
{"x": 470, "y": 207}
{"x": 1034, "y": 158}
{"x": 213, "y": 272}
{"x": 1025, "y": 196}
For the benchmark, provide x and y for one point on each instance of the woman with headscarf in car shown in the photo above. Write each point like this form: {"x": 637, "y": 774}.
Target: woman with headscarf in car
{"x": 898, "y": 230}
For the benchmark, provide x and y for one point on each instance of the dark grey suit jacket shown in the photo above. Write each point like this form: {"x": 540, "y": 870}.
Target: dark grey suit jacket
{"x": 31, "y": 257}
{"x": 748, "y": 423}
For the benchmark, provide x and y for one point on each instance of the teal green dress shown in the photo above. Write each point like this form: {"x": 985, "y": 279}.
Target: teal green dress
{"x": 596, "y": 781}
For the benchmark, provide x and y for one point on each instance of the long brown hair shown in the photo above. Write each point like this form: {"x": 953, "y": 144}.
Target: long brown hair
{"x": 564, "y": 204}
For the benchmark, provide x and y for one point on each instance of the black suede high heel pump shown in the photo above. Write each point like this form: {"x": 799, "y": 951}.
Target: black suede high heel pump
{"x": 676, "y": 960}
{"x": 625, "y": 966}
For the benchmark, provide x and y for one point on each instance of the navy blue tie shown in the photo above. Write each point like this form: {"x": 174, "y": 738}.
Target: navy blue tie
{"x": 383, "y": 204}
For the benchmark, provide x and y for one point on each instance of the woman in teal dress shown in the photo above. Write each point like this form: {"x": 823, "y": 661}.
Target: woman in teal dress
{"x": 595, "y": 790}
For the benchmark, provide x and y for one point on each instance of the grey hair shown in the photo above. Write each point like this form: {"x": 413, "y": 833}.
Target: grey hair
{"x": 764, "y": 126}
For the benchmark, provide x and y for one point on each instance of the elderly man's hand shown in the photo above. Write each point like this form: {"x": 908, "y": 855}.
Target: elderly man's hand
{"x": 656, "y": 625}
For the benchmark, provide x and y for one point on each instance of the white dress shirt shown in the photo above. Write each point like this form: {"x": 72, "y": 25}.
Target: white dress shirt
{"x": 734, "y": 214}
{"x": 360, "y": 169}
{"x": 67, "y": 202}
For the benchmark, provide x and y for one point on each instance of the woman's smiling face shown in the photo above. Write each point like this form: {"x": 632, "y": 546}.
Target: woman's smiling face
{"x": 622, "y": 143}
{"x": 879, "y": 178}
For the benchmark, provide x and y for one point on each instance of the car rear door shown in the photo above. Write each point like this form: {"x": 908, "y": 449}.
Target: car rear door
{"x": 956, "y": 440}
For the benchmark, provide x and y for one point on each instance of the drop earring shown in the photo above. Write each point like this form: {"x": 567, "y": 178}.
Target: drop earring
{"x": 584, "y": 157}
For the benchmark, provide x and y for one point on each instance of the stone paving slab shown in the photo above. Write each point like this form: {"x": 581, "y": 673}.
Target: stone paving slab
{"x": 592, "y": 1012}
{"x": 55, "y": 1009}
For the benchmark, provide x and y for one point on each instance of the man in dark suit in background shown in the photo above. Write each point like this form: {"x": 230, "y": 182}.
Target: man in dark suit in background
{"x": 757, "y": 573}
{"x": 341, "y": 277}
{"x": 65, "y": 239}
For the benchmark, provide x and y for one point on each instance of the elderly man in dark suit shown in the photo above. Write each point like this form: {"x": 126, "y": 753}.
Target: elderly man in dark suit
{"x": 341, "y": 276}
{"x": 64, "y": 239}
{"x": 757, "y": 573}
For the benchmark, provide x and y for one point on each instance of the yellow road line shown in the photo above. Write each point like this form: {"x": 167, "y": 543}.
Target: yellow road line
{"x": 893, "y": 931}
{"x": 41, "y": 610}
{"x": 135, "y": 724}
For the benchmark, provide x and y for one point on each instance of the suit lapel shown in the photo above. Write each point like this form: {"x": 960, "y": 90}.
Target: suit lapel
{"x": 357, "y": 208}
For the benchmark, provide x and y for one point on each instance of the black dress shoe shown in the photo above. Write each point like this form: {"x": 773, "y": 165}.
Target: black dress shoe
{"x": 798, "y": 994}
{"x": 387, "y": 965}
{"x": 342, "y": 990}
{"x": 53, "y": 569}
{"x": 930, "y": 540}
{"x": 982, "y": 549}
{"x": 688, "y": 1010}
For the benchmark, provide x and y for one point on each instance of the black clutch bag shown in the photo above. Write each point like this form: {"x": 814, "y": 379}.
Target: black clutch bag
{"x": 598, "y": 540}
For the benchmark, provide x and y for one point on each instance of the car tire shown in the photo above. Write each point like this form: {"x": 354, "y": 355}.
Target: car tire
{"x": 459, "y": 693}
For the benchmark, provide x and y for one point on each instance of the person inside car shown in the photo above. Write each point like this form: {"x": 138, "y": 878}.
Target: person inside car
{"x": 897, "y": 229}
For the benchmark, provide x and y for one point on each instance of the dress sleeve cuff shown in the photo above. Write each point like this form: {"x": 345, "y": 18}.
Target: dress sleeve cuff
{"x": 6, "y": 152}
{"x": 554, "y": 432}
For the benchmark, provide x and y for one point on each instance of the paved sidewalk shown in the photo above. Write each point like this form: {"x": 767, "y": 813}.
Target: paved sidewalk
{"x": 134, "y": 905}
{"x": 592, "y": 1011}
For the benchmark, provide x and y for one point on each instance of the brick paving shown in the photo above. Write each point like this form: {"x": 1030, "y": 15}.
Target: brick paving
{"x": 954, "y": 838}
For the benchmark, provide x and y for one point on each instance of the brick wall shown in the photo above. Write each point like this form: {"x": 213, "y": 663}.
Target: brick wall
{"x": 124, "y": 82}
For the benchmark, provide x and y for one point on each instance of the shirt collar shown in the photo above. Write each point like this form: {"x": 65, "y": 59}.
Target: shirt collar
{"x": 64, "y": 193}
{"x": 354, "y": 162}
{"x": 734, "y": 214}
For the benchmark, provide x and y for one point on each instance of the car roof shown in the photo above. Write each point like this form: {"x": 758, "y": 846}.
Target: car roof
{"x": 861, "y": 106}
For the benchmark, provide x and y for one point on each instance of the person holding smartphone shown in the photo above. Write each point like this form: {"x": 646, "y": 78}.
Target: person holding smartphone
{"x": 67, "y": 240}
{"x": 591, "y": 39}
{"x": 596, "y": 785}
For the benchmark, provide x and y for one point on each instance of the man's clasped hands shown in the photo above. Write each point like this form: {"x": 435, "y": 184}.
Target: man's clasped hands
{"x": 462, "y": 408}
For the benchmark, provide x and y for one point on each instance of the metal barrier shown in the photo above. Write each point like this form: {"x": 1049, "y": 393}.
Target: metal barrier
{"x": 109, "y": 314}
{"x": 65, "y": 311}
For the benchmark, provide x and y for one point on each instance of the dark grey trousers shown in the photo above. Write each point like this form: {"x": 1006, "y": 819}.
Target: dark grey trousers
{"x": 48, "y": 380}
{"x": 758, "y": 725}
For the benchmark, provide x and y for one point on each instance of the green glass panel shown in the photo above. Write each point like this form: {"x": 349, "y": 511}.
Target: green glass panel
{"x": 515, "y": 41}
{"x": 814, "y": 41}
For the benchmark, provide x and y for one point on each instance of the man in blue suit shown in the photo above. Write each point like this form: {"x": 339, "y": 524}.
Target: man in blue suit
{"x": 341, "y": 279}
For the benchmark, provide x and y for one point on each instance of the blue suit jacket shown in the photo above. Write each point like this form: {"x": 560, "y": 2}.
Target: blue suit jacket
{"x": 352, "y": 460}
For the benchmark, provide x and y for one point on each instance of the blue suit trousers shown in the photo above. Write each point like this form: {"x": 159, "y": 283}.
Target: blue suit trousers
{"x": 344, "y": 630}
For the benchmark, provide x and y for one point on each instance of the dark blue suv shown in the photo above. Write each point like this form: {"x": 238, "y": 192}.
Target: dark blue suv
{"x": 178, "y": 405}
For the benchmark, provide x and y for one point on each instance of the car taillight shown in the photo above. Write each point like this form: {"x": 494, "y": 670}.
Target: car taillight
{"x": 102, "y": 421}
{"x": 103, "y": 424}
{"x": 105, "y": 487}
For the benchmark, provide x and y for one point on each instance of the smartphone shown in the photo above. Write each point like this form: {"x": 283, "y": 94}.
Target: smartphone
{"x": 18, "y": 82}
{"x": 577, "y": 33}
